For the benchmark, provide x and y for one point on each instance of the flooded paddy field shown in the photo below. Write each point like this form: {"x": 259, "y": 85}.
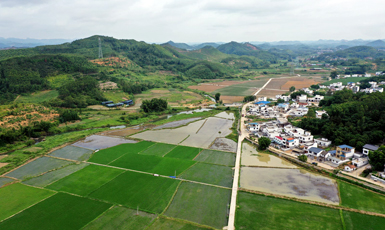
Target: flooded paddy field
{"x": 128, "y": 131}
{"x": 224, "y": 144}
{"x": 226, "y": 115}
{"x": 175, "y": 124}
{"x": 101, "y": 142}
{"x": 199, "y": 134}
{"x": 251, "y": 157}
{"x": 296, "y": 183}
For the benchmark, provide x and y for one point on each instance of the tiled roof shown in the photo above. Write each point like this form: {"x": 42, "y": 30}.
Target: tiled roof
{"x": 345, "y": 146}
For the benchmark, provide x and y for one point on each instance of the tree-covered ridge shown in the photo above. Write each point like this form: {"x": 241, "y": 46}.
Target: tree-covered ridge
{"x": 353, "y": 119}
{"x": 354, "y": 52}
{"x": 29, "y": 74}
{"x": 246, "y": 49}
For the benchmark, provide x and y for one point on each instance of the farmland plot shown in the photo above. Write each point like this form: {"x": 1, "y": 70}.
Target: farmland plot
{"x": 101, "y": 142}
{"x": 224, "y": 144}
{"x": 210, "y": 174}
{"x": 106, "y": 156}
{"x": 175, "y": 124}
{"x": 163, "y": 223}
{"x": 72, "y": 153}
{"x": 158, "y": 149}
{"x": 121, "y": 218}
{"x": 17, "y": 197}
{"x": 290, "y": 182}
{"x": 137, "y": 190}
{"x": 183, "y": 152}
{"x": 37, "y": 167}
{"x": 201, "y": 204}
{"x": 61, "y": 211}
{"x": 4, "y": 181}
{"x": 153, "y": 164}
{"x": 216, "y": 157}
{"x": 84, "y": 181}
{"x": 50, "y": 177}
{"x": 358, "y": 221}
{"x": 261, "y": 212}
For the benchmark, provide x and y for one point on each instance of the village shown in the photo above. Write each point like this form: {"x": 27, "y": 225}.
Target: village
{"x": 273, "y": 122}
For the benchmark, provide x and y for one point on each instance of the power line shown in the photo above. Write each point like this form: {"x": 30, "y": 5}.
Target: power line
{"x": 100, "y": 49}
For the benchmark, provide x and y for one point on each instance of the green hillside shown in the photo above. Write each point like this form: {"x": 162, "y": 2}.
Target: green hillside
{"x": 354, "y": 52}
{"x": 246, "y": 49}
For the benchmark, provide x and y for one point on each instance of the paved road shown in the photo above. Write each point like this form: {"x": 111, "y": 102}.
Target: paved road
{"x": 242, "y": 135}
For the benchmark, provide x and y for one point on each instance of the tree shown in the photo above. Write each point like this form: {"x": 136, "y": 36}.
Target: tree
{"x": 263, "y": 142}
{"x": 333, "y": 74}
{"x": 249, "y": 98}
{"x": 302, "y": 158}
{"x": 292, "y": 89}
{"x": 155, "y": 105}
{"x": 314, "y": 86}
{"x": 217, "y": 97}
{"x": 377, "y": 158}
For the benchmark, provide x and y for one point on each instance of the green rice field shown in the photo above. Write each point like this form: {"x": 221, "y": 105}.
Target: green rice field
{"x": 202, "y": 204}
{"x": 152, "y": 164}
{"x": 17, "y": 197}
{"x": 159, "y": 149}
{"x": 137, "y": 190}
{"x": 52, "y": 176}
{"x": 210, "y": 174}
{"x": 358, "y": 221}
{"x": 121, "y": 218}
{"x": 184, "y": 152}
{"x": 105, "y": 156}
{"x": 86, "y": 180}
{"x": 162, "y": 223}
{"x": 362, "y": 199}
{"x": 262, "y": 212}
{"x": 61, "y": 211}
{"x": 216, "y": 157}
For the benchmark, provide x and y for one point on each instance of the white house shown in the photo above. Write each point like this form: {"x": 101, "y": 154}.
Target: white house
{"x": 368, "y": 147}
{"x": 318, "y": 114}
{"x": 316, "y": 98}
{"x": 305, "y": 138}
{"x": 302, "y": 98}
{"x": 367, "y": 75}
{"x": 290, "y": 142}
{"x": 323, "y": 142}
{"x": 359, "y": 162}
{"x": 262, "y": 99}
{"x": 350, "y": 168}
{"x": 253, "y": 127}
{"x": 278, "y": 140}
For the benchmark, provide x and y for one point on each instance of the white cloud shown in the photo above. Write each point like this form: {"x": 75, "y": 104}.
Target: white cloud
{"x": 194, "y": 20}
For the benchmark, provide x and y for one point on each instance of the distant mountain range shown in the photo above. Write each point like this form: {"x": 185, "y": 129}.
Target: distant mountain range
{"x": 191, "y": 47}
{"x": 29, "y": 42}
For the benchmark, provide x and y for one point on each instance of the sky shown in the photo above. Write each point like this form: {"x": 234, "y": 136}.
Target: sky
{"x": 194, "y": 21}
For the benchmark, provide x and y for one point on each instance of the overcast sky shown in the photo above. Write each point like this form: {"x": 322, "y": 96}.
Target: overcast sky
{"x": 194, "y": 20}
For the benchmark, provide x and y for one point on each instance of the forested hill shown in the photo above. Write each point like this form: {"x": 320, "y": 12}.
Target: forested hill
{"x": 354, "y": 52}
{"x": 29, "y": 74}
{"x": 354, "y": 119}
{"x": 246, "y": 49}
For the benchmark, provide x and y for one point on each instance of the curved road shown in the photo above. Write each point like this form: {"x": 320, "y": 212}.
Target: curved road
{"x": 242, "y": 135}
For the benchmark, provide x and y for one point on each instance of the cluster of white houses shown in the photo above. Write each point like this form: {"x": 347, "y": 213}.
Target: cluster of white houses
{"x": 355, "y": 87}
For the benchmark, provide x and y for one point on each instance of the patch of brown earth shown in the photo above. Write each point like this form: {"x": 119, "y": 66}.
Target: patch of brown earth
{"x": 231, "y": 99}
{"x": 108, "y": 85}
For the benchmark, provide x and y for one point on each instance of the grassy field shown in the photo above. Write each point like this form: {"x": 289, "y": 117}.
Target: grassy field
{"x": 16, "y": 197}
{"x": 162, "y": 223}
{"x": 261, "y": 212}
{"x": 116, "y": 95}
{"x": 52, "y": 176}
{"x": 211, "y": 174}
{"x": 108, "y": 155}
{"x": 59, "y": 80}
{"x": 362, "y": 199}
{"x": 344, "y": 80}
{"x": 173, "y": 96}
{"x": 61, "y": 211}
{"x": 216, "y": 157}
{"x": 358, "y": 221}
{"x": 38, "y": 97}
{"x": 137, "y": 190}
{"x": 121, "y": 218}
{"x": 86, "y": 180}
{"x": 184, "y": 152}
{"x": 243, "y": 89}
{"x": 202, "y": 204}
{"x": 159, "y": 149}
{"x": 153, "y": 164}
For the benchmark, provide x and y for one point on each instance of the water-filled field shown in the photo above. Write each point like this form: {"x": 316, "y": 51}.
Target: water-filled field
{"x": 72, "y": 153}
{"x": 199, "y": 134}
{"x": 290, "y": 182}
{"x": 251, "y": 157}
{"x": 101, "y": 142}
{"x": 175, "y": 124}
{"x": 224, "y": 144}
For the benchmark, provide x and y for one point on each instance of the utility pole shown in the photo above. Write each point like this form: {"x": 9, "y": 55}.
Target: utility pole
{"x": 100, "y": 49}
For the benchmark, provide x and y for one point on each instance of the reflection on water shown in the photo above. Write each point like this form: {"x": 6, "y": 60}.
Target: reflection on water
{"x": 251, "y": 157}
{"x": 290, "y": 182}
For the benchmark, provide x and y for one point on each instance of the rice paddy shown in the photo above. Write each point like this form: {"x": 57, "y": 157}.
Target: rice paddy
{"x": 72, "y": 153}
{"x": 210, "y": 174}
{"x": 216, "y": 157}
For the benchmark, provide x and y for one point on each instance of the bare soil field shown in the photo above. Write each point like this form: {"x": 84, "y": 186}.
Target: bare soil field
{"x": 231, "y": 99}
{"x": 224, "y": 144}
{"x": 299, "y": 84}
{"x": 270, "y": 93}
{"x": 210, "y": 87}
